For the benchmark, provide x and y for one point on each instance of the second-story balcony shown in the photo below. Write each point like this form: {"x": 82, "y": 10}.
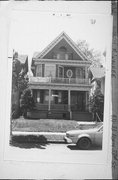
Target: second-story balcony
{"x": 55, "y": 80}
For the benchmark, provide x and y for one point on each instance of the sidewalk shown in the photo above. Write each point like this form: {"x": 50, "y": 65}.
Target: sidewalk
{"x": 86, "y": 122}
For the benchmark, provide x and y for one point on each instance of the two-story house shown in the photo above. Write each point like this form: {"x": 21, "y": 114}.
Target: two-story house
{"x": 97, "y": 92}
{"x": 60, "y": 83}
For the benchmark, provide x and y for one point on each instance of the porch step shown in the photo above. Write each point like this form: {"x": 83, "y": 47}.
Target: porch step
{"x": 78, "y": 116}
{"x": 58, "y": 115}
{"x": 49, "y": 115}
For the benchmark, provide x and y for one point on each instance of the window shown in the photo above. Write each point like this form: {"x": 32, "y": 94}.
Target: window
{"x": 80, "y": 72}
{"x": 61, "y": 71}
{"x": 63, "y": 49}
{"x": 62, "y": 53}
{"x": 40, "y": 70}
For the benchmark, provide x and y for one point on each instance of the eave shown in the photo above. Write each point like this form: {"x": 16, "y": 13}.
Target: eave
{"x": 64, "y": 62}
{"x": 60, "y": 86}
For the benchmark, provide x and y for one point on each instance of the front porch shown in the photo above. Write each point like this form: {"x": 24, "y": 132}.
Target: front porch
{"x": 60, "y": 104}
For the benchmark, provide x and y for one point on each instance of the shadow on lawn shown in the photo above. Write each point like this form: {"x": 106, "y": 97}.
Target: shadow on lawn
{"x": 28, "y": 142}
{"x": 93, "y": 148}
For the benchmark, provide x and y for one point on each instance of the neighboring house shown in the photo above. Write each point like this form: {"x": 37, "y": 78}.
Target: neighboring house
{"x": 20, "y": 66}
{"x": 60, "y": 83}
{"x": 97, "y": 78}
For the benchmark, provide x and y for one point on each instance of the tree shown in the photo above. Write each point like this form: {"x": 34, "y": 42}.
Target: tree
{"x": 93, "y": 55}
{"x": 19, "y": 83}
{"x": 26, "y": 102}
{"x": 96, "y": 104}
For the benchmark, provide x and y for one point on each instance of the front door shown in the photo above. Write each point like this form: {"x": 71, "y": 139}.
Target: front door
{"x": 78, "y": 101}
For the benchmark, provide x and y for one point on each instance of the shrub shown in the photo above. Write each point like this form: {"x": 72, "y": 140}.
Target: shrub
{"x": 26, "y": 102}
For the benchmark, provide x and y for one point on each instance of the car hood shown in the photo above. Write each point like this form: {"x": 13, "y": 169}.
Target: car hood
{"x": 79, "y": 131}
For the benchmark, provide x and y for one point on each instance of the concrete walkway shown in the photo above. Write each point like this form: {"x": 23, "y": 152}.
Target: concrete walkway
{"x": 86, "y": 122}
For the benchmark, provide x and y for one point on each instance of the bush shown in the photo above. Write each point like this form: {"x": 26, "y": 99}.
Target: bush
{"x": 97, "y": 105}
{"x": 26, "y": 102}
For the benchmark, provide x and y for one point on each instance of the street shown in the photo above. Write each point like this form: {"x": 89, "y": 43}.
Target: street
{"x": 51, "y": 146}
{"x": 51, "y": 152}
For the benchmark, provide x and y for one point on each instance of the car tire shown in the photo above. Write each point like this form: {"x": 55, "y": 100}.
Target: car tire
{"x": 84, "y": 143}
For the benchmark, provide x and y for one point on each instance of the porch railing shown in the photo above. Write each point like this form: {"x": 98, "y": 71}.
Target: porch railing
{"x": 55, "y": 80}
{"x": 41, "y": 106}
{"x": 59, "y": 107}
{"x": 52, "y": 106}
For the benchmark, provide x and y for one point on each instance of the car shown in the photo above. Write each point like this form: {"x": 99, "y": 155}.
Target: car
{"x": 84, "y": 139}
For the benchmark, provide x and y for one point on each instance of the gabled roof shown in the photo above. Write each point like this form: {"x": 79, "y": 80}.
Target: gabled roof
{"x": 63, "y": 35}
{"x": 22, "y": 58}
{"x": 35, "y": 54}
{"x": 24, "y": 62}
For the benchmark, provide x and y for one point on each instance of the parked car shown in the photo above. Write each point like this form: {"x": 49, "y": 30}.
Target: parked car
{"x": 84, "y": 139}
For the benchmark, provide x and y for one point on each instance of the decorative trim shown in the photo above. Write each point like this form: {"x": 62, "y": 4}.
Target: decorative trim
{"x": 69, "y": 62}
{"x": 69, "y": 73}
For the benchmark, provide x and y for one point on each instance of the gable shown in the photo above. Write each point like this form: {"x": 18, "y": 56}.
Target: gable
{"x": 63, "y": 40}
{"x": 61, "y": 50}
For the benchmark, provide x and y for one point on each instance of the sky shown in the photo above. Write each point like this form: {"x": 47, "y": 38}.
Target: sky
{"x": 32, "y": 31}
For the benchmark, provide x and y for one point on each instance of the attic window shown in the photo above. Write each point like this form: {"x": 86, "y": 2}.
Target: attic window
{"x": 62, "y": 49}
{"x": 62, "y": 53}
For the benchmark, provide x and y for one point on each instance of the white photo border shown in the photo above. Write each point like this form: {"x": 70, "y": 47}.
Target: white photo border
{"x": 101, "y": 157}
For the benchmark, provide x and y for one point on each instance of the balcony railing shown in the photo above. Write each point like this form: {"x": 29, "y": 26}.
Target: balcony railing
{"x": 54, "y": 80}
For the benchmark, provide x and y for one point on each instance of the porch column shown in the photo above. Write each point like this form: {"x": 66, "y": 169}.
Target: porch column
{"x": 86, "y": 95}
{"x": 49, "y": 102}
{"x": 69, "y": 104}
{"x": 38, "y": 95}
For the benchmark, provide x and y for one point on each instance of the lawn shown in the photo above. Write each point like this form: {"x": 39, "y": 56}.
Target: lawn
{"x": 44, "y": 125}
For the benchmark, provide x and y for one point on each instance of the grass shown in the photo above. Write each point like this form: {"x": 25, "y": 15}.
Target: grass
{"x": 44, "y": 125}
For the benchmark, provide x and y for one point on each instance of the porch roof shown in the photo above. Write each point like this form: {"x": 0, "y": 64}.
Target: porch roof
{"x": 60, "y": 86}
